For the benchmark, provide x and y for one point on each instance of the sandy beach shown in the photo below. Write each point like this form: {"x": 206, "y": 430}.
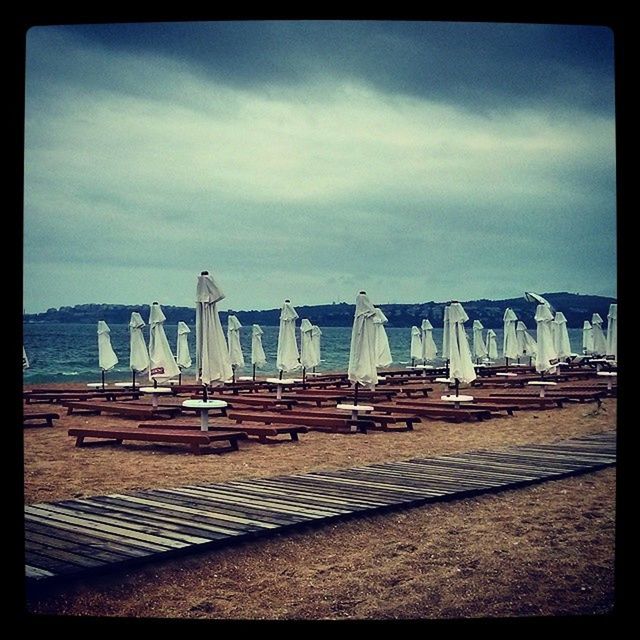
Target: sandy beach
{"x": 545, "y": 550}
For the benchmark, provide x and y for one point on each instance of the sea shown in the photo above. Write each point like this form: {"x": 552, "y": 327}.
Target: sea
{"x": 68, "y": 352}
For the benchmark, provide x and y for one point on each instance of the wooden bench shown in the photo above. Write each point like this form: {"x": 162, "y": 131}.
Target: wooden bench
{"x": 47, "y": 417}
{"x": 126, "y": 410}
{"x": 455, "y": 415}
{"x": 477, "y": 403}
{"x": 253, "y": 401}
{"x": 194, "y": 439}
{"x": 380, "y": 421}
{"x": 264, "y": 433}
{"x": 334, "y": 425}
{"x": 53, "y": 397}
{"x": 548, "y": 402}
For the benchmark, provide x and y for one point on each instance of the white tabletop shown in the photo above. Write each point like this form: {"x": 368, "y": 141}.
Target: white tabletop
{"x": 423, "y": 366}
{"x": 505, "y": 373}
{"x": 355, "y": 407}
{"x": 155, "y": 390}
{"x": 246, "y": 378}
{"x": 444, "y": 380}
{"x": 96, "y": 384}
{"x": 282, "y": 380}
{"x": 541, "y": 383}
{"x": 204, "y": 404}
{"x": 607, "y": 373}
{"x": 125, "y": 384}
{"x": 451, "y": 398}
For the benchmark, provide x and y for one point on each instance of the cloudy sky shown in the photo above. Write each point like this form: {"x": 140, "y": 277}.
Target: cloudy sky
{"x": 311, "y": 159}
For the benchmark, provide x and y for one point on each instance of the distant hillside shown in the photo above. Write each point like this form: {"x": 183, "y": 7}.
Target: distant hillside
{"x": 577, "y": 308}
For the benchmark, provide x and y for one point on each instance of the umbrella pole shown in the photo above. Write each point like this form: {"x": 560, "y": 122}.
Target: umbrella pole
{"x": 304, "y": 377}
{"x": 205, "y": 395}
{"x": 457, "y": 383}
{"x": 103, "y": 379}
{"x": 355, "y": 394}
{"x": 233, "y": 374}
{"x": 254, "y": 372}
{"x": 133, "y": 378}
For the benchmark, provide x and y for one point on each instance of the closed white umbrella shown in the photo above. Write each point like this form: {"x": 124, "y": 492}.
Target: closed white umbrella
{"x": 429, "y": 349}
{"x": 25, "y": 360}
{"x": 162, "y": 364}
{"x": 362, "y": 354}
{"x": 492, "y": 344}
{"x": 258, "y": 357}
{"x": 561, "y": 336}
{"x": 212, "y": 354}
{"x": 307, "y": 349}
{"x": 479, "y": 347}
{"x": 236, "y": 356}
{"x": 316, "y": 335}
{"x": 383, "y": 352}
{"x": 529, "y": 296}
{"x": 138, "y": 353}
{"x": 526, "y": 343}
{"x": 599, "y": 340}
{"x": 461, "y": 367}
{"x": 183, "y": 356}
{"x": 510, "y": 340}
{"x": 612, "y": 331}
{"x": 445, "y": 334}
{"x": 107, "y": 359}
{"x": 416, "y": 344}
{"x": 545, "y": 351}
{"x": 287, "y": 356}
{"x": 587, "y": 338}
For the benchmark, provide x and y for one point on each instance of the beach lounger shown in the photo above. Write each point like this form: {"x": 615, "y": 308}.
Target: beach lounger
{"x": 195, "y": 439}
{"x": 266, "y": 434}
{"x": 48, "y": 419}
{"x": 123, "y": 410}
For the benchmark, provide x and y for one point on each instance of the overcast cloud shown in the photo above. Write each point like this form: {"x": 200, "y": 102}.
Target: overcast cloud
{"x": 419, "y": 161}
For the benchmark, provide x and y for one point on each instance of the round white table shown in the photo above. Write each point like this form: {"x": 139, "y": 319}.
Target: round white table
{"x": 246, "y": 378}
{"x": 506, "y": 374}
{"x": 456, "y": 399}
{"x": 204, "y": 406}
{"x": 280, "y": 382}
{"x": 542, "y": 384}
{"x": 97, "y": 385}
{"x": 424, "y": 368}
{"x": 609, "y": 375}
{"x": 355, "y": 409}
{"x": 155, "y": 392}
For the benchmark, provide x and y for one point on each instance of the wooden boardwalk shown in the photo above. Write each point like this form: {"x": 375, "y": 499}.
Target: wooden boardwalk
{"x": 71, "y": 538}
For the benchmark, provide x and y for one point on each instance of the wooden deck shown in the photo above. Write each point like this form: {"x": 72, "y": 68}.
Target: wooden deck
{"x": 72, "y": 538}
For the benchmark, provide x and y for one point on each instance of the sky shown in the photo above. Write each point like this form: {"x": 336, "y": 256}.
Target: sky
{"x": 309, "y": 160}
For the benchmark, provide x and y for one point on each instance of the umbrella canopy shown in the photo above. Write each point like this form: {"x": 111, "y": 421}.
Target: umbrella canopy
{"x": 587, "y": 337}
{"x": 138, "y": 354}
{"x": 479, "y": 347}
{"x": 307, "y": 351}
{"x": 460, "y": 364}
{"x": 612, "y": 331}
{"x": 529, "y": 296}
{"x": 545, "y": 351}
{"x": 183, "y": 357}
{"x": 510, "y": 340}
{"x": 561, "y": 336}
{"x": 362, "y": 354}
{"x": 526, "y": 343}
{"x": 599, "y": 340}
{"x": 492, "y": 344}
{"x": 162, "y": 364}
{"x": 429, "y": 349}
{"x": 107, "y": 359}
{"x": 233, "y": 338}
{"x": 212, "y": 354}
{"x": 25, "y": 360}
{"x": 258, "y": 357}
{"x": 287, "y": 356}
{"x": 383, "y": 352}
{"x": 316, "y": 335}
{"x": 445, "y": 333}
{"x": 416, "y": 344}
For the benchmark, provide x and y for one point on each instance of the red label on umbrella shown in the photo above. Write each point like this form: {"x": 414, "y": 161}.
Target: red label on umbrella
{"x": 157, "y": 370}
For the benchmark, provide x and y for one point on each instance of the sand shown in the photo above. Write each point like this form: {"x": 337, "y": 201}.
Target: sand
{"x": 546, "y": 550}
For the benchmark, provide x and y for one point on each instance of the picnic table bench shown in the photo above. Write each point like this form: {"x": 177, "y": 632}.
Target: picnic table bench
{"x": 125, "y": 410}
{"x": 195, "y": 439}
{"x": 47, "y": 417}
{"x": 381, "y": 421}
{"x": 264, "y": 433}
{"x": 443, "y": 413}
{"x": 335, "y": 425}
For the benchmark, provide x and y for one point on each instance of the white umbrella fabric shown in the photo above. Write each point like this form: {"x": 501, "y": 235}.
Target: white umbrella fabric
{"x": 587, "y": 338}
{"x": 561, "y": 336}
{"x": 307, "y": 350}
{"x": 138, "y": 352}
{"x": 258, "y": 357}
{"x": 236, "y": 357}
{"x": 461, "y": 366}
{"x": 416, "y": 344}
{"x": 526, "y": 343}
{"x": 480, "y": 350}
{"x": 316, "y": 335}
{"x": 599, "y": 340}
{"x": 492, "y": 344}
{"x": 212, "y": 355}
{"x": 383, "y": 352}
{"x": 287, "y": 356}
{"x": 107, "y": 359}
{"x": 612, "y": 331}
{"x": 429, "y": 349}
{"x": 183, "y": 356}
{"x": 529, "y": 296}
{"x": 445, "y": 334}
{"x": 162, "y": 364}
{"x": 25, "y": 360}
{"x": 362, "y": 354}
{"x": 510, "y": 340}
{"x": 545, "y": 352}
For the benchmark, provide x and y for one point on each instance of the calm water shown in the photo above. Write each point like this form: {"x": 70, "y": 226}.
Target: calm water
{"x": 69, "y": 352}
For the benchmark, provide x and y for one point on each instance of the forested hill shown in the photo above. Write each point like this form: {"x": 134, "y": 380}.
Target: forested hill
{"x": 577, "y": 308}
